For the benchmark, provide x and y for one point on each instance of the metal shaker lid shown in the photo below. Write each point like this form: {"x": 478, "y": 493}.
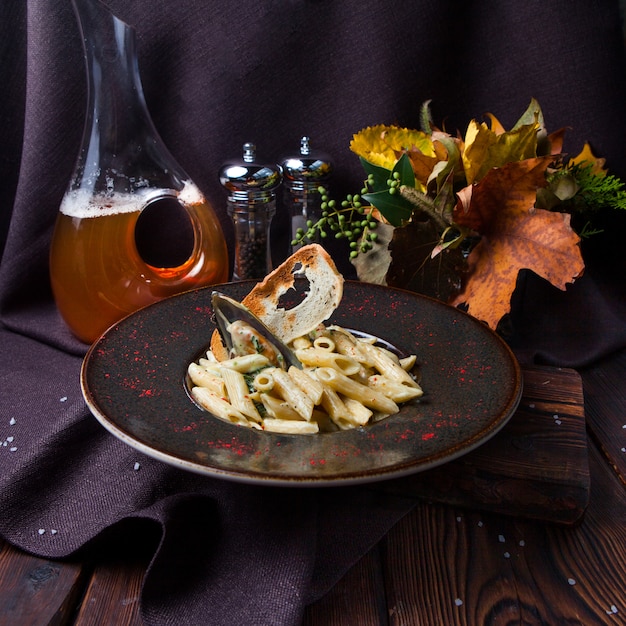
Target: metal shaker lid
{"x": 307, "y": 168}
{"x": 247, "y": 179}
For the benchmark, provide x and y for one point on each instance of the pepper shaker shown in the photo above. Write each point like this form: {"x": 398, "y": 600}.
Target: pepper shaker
{"x": 303, "y": 174}
{"x": 251, "y": 188}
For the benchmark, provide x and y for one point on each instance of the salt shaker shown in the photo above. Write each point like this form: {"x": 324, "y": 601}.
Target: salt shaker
{"x": 303, "y": 174}
{"x": 251, "y": 188}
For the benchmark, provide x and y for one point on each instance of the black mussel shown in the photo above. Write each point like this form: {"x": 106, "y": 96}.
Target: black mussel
{"x": 244, "y": 333}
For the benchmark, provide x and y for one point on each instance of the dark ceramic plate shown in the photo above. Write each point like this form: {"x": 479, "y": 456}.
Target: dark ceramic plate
{"x": 133, "y": 379}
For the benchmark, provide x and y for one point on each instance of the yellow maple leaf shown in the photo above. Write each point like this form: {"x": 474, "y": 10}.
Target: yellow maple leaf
{"x": 486, "y": 148}
{"x": 514, "y": 236}
{"x": 587, "y": 156}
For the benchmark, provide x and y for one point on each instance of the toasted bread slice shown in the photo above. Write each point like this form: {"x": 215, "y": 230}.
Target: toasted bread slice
{"x": 325, "y": 289}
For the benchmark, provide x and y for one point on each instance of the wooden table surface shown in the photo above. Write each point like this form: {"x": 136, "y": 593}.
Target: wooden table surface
{"x": 443, "y": 564}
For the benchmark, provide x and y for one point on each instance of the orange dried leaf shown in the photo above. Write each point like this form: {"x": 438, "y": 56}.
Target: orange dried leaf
{"x": 514, "y": 236}
{"x": 555, "y": 140}
{"x": 422, "y": 164}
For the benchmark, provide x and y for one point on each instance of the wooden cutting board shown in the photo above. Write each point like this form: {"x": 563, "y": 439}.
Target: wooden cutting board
{"x": 535, "y": 467}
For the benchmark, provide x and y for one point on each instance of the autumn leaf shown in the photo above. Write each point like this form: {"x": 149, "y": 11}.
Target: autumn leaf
{"x": 484, "y": 149}
{"x": 372, "y": 267}
{"x": 554, "y": 143}
{"x": 587, "y": 156}
{"x": 514, "y": 236}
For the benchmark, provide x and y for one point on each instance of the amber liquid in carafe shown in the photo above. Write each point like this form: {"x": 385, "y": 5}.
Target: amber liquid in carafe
{"x": 111, "y": 256}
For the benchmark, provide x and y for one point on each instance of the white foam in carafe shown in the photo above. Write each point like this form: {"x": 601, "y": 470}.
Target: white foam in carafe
{"x": 81, "y": 203}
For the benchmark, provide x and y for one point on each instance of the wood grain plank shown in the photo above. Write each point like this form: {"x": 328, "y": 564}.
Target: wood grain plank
{"x": 113, "y": 595}
{"x": 454, "y": 567}
{"x": 605, "y": 395}
{"x": 536, "y": 467}
{"x": 358, "y": 598}
{"x": 35, "y": 591}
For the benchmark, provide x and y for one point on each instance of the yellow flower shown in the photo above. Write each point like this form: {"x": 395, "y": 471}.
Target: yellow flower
{"x": 383, "y": 145}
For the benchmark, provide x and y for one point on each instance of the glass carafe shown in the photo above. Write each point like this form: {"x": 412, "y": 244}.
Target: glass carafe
{"x": 132, "y": 227}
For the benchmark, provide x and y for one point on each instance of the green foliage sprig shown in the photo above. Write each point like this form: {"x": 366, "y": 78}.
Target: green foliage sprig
{"x": 346, "y": 220}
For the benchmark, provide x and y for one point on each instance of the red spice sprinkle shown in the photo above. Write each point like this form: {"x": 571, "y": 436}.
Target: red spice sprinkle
{"x": 427, "y": 436}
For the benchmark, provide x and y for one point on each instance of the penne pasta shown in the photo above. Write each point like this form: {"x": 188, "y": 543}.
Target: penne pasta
{"x": 290, "y": 427}
{"x": 278, "y": 408}
{"x": 398, "y": 392}
{"x": 334, "y": 406}
{"x": 307, "y": 384}
{"x": 299, "y": 343}
{"x": 346, "y": 382}
{"x": 285, "y": 386}
{"x": 245, "y": 364}
{"x": 359, "y": 413}
{"x": 202, "y": 377}
{"x": 220, "y": 407}
{"x": 324, "y": 343}
{"x": 385, "y": 364}
{"x": 352, "y": 389}
{"x": 263, "y": 381}
{"x": 315, "y": 357}
{"x": 408, "y": 363}
{"x": 238, "y": 394}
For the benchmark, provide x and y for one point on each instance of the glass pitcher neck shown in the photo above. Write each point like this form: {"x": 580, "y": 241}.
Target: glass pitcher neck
{"x": 119, "y": 134}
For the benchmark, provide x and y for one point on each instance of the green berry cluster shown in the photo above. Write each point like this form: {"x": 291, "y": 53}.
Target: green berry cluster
{"x": 349, "y": 220}
{"x": 393, "y": 183}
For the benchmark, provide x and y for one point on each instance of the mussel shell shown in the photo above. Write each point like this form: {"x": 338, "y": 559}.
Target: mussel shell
{"x": 227, "y": 311}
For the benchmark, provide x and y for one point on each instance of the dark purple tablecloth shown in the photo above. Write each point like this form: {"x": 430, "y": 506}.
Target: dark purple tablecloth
{"x": 217, "y": 74}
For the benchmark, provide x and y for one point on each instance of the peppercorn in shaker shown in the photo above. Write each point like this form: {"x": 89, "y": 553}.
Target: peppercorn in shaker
{"x": 251, "y": 190}
{"x": 303, "y": 174}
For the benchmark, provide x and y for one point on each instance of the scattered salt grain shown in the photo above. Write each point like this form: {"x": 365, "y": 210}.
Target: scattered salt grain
{"x": 54, "y": 531}
{"x": 136, "y": 466}
{"x": 458, "y": 519}
{"x": 63, "y": 399}
{"x": 458, "y": 602}
{"x": 571, "y": 581}
{"x": 10, "y": 439}
{"x": 623, "y": 449}
{"x": 522, "y": 543}
{"x": 480, "y": 524}
{"x": 612, "y": 610}
{"x": 507, "y": 555}
{"x": 12, "y": 422}
{"x": 501, "y": 538}
{"x": 555, "y": 416}
{"x": 42, "y": 531}
{"x": 531, "y": 406}
{"x": 13, "y": 449}
{"x": 557, "y": 422}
